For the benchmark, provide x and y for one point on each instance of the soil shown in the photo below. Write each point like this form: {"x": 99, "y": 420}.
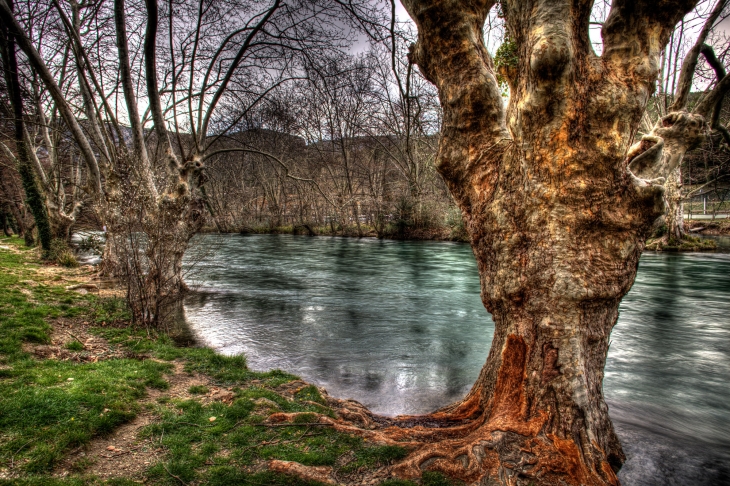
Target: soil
{"x": 65, "y": 331}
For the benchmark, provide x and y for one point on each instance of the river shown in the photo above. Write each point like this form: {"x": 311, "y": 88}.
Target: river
{"x": 400, "y": 327}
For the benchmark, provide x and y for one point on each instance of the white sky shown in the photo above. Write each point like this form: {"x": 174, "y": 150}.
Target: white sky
{"x": 595, "y": 33}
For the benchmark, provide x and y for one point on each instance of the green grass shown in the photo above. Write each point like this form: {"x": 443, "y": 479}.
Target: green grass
{"x": 226, "y": 370}
{"x": 237, "y": 439}
{"x": 75, "y": 346}
{"x": 50, "y": 407}
{"x": 310, "y": 393}
{"x": 198, "y": 390}
{"x": 429, "y": 478}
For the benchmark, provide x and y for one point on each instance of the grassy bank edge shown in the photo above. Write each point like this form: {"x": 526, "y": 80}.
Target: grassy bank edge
{"x": 52, "y": 407}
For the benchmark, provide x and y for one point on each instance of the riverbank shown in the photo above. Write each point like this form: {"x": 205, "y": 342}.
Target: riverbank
{"x": 720, "y": 227}
{"x": 87, "y": 399}
{"x": 697, "y": 230}
{"x": 440, "y": 233}
{"x": 701, "y": 236}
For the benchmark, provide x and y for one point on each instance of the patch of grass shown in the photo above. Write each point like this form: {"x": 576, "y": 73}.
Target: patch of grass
{"x": 198, "y": 390}
{"x": 310, "y": 393}
{"x": 229, "y": 370}
{"x": 110, "y": 310}
{"x": 431, "y": 478}
{"x": 43, "y": 481}
{"x": 227, "y": 475}
{"x": 375, "y": 456}
{"x": 50, "y": 406}
{"x": 237, "y": 439}
{"x": 21, "y": 319}
{"x": 36, "y": 480}
{"x": 81, "y": 465}
{"x": 74, "y": 346}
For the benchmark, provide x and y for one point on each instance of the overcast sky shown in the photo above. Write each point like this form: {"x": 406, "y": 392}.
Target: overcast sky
{"x": 724, "y": 26}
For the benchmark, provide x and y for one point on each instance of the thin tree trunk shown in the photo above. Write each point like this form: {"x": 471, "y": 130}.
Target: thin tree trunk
{"x": 4, "y": 221}
{"x": 673, "y": 199}
{"x": 142, "y": 165}
{"x": 34, "y": 197}
{"x": 11, "y": 24}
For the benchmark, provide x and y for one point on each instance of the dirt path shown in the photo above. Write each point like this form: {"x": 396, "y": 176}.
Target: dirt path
{"x": 123, "y": 453}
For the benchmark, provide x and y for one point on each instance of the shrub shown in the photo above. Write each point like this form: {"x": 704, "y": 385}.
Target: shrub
{"x": 67, "y": 259}
{"x": 456, "y": 224}
{"x": 92, "y": 242}
{"x": 61, "y": 254}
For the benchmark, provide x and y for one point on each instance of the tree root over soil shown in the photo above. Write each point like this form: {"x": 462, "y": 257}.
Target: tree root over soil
{"x": 465, "y": 443}
{"x": 499, "y": 451}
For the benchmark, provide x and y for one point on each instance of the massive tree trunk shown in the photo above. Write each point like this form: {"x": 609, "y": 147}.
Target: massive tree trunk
{"x": 558, "y": 208}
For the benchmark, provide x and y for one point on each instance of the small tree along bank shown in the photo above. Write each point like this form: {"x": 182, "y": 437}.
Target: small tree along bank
{"x": 101, "y": 63}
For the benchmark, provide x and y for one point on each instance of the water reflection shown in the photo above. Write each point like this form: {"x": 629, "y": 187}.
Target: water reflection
{"x": 389, "y": 324}
{"x": 400, "y": 327}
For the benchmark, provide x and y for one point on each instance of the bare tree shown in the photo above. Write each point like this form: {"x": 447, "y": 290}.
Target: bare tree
{"x": 219, "y": 61}
{"x": 709, "y": 108}
{"x": 24, "y": 160}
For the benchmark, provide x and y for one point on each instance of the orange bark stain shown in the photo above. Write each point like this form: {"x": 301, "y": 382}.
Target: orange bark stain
{"x": 465, "y": 448}
{"x": 468, "y": 409}
{"x": 320, "y": 474}
{"x": 510, "y": 405}
{"x": 570, "y": 461}
{"x": 609, "y": 474}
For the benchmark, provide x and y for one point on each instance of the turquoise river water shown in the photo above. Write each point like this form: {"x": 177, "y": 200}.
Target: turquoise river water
{"x": 400, "y": 327}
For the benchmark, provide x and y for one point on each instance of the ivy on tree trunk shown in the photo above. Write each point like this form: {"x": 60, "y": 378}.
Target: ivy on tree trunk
{"x": 33, "y": 194}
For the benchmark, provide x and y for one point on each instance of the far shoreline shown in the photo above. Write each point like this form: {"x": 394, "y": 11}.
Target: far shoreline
{"x": 703, "y": 229}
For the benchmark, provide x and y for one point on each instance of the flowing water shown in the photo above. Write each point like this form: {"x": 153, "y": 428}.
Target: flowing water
{"x": 400, "y": 327}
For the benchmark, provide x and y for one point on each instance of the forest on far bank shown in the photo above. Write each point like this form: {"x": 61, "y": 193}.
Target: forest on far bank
{"x": 302, "y": 134}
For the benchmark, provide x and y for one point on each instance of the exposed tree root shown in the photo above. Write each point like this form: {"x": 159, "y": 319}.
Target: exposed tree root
{"x": 502, "y": 445}
{"x": 502, "y": 450}
{"x": 309, "y": 473}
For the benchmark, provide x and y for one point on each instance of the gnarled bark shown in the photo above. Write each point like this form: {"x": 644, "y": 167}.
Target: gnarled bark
{"x": 558, "y": 208}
